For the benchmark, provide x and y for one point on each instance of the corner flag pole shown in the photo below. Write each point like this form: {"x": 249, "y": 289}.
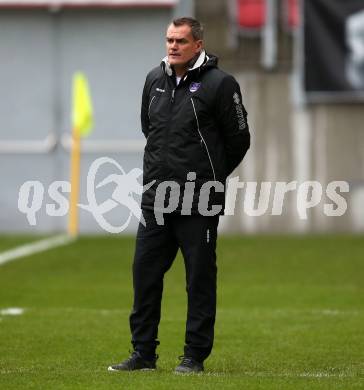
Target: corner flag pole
{"x": 75, "y": 183}
{"x": 82, "y": 123}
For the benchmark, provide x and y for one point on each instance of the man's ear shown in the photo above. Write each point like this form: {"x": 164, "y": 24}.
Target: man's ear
{"x": 199, "y": 45}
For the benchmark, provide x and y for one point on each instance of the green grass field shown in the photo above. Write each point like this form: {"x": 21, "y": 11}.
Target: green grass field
{"x": 290, "y": 316}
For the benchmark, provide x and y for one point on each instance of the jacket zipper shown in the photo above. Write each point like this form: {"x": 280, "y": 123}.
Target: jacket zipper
{"x": 202, "y": 139}
{"x": 150, "y": 103}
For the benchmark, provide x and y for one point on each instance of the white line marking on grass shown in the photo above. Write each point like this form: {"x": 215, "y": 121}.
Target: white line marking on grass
{"x": 328, "y": 312}
{"x": 280, "y": 375}
{"x": 288, "y": 312}
{"x": 12, "y": 311}
{"x": 322, "y": 375}
{"x": 90, "y": 310}
{"x": 35, "y": 247}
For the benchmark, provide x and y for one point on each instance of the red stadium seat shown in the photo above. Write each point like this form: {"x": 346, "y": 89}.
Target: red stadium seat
{"x": 251, "y": 14}
{"x": 291, "y": 14}
{"x": 247, "y": 19}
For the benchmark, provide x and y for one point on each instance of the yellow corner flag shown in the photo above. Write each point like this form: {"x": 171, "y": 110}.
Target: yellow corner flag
{"x": 82, "y": 115}
{"x": 82, "y": 122}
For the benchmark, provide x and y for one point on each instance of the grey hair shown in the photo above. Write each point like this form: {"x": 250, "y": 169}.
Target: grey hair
{"x": 196, "y": 26}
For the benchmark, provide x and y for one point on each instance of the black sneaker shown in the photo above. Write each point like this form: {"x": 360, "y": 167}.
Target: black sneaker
{"x": 188, "y": 366}
{"x": 135, "y": 362}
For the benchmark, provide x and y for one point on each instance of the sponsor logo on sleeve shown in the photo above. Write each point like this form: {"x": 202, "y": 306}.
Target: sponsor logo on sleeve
{"x": 239, "y": 111}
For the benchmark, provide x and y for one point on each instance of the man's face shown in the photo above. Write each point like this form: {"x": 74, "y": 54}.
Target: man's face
{"x": 181, "y": 47}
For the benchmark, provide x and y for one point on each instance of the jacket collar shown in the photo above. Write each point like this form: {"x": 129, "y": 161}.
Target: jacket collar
{"x": 201, "y": 60}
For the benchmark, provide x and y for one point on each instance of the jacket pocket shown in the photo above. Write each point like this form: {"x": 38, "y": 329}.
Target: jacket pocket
{"x": 203, "y": 142}
{"x": 150, "y": 105}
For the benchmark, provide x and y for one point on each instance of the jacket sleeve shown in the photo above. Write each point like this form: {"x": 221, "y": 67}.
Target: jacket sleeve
{"x": 144, "y": 115}
{"x": 233, "y": 124}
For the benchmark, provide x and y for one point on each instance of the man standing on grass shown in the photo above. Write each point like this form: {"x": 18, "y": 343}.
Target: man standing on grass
{"x": 197, "y": 133}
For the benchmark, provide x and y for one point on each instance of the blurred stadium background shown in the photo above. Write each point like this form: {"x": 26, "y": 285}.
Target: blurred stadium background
{"x": 306, "y": 119}
{"x": 290, "y": 311}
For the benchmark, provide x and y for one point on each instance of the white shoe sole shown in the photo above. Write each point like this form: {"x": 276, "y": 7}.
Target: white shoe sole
{"x": 188, "y": 373}
{"x": 141, "y": 369}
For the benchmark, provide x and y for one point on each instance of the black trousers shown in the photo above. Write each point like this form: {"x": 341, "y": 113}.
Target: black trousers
{"x": 156, "y": 248}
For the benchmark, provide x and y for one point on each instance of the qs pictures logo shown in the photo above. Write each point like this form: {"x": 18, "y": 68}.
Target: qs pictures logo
{"x": 126, "y": 186}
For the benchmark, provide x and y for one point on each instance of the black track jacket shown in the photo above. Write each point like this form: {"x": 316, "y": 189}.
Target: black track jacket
{"x": 198, "y": 126}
